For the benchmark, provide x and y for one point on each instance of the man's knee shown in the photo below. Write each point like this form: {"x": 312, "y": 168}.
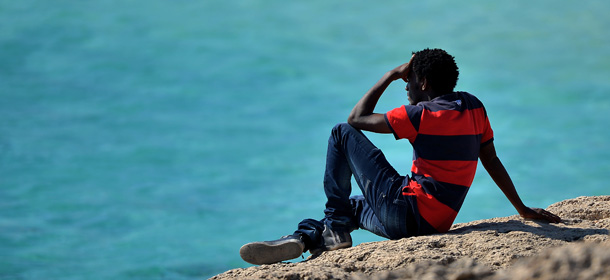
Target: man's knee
{"x": 342, "y": 128}
{"x": 339, "y": 131}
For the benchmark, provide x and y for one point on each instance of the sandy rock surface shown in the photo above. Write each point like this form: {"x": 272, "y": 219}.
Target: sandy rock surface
{"x": 499, "y": 248}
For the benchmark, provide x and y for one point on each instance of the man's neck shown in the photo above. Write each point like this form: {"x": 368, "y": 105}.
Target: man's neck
{"x": 434, "y": 94}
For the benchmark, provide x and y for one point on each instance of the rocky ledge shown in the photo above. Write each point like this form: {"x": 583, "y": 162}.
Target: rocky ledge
{"x": 499, "y": 248}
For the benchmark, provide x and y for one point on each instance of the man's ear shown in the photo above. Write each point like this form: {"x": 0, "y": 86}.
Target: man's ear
{"x": 424, "y": 84}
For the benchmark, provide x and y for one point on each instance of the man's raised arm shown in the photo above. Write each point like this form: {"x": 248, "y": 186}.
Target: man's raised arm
{"x": 363, "y": 116}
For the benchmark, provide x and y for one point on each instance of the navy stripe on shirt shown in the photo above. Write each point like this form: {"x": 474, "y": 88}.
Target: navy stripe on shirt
{"x": 457, "y": 147}
{"x": 414, "y": 113}
{"x": 449, "y": 194}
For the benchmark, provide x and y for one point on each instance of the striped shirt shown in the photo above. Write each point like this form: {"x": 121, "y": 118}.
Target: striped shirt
{"x": 446, "y": 134}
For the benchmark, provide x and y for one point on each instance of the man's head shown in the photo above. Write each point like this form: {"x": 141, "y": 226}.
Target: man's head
{"x": 433, "y": 73}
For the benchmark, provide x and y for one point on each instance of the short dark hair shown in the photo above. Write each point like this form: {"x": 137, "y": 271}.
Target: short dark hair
{"x": 438, "y": 67}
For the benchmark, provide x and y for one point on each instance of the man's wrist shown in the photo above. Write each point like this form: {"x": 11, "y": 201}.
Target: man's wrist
{"x": 523, "y": 210}
{"x": 393, "y": 75}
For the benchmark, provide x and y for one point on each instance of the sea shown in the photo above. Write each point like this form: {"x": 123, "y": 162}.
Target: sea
{"x": 150, "y": 139}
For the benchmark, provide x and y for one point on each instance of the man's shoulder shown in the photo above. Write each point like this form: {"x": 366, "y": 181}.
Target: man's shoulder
{"x": 455, "y": 101}
{"x": 464, "y": 94}
{"x": 470, "y": 100}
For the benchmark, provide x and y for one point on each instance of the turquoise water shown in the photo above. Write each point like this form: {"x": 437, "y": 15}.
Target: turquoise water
{"x": 151, "y": 139}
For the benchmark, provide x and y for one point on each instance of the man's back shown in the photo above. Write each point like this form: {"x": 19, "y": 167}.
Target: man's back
{"x": 446, "y": 133}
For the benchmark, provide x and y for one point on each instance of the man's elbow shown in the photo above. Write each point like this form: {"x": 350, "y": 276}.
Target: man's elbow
{"x": 357, "y": 122}
{"x": 352, "y": 120}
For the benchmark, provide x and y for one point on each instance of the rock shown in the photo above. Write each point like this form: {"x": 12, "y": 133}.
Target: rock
{"x": 498, "y": 248}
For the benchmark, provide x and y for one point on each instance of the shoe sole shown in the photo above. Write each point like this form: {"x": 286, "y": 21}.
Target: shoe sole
{"x": 268, "y": 252}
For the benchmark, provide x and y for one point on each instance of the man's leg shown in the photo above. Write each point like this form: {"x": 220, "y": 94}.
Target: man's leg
{"x": 349, "y": 153}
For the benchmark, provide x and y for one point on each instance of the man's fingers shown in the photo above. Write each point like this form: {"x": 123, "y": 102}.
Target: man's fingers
{"x": 541, "y": 214}
{"x": 550, "y": 216}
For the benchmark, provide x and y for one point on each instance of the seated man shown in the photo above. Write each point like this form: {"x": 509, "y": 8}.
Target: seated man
{"x": 449, "y": 132}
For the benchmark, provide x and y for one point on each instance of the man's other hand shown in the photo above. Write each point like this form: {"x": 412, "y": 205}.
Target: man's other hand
{"x": 540, "y": 214}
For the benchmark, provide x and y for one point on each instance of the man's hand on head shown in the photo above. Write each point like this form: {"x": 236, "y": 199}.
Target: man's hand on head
{"x": 402, "y": 71}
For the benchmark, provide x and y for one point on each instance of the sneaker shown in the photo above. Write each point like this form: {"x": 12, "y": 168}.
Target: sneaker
{"x": 268, "y": 252}
{"x": 333, "y": 240}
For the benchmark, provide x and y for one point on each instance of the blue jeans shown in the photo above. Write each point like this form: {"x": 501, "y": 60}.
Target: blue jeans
{"x": 382, "y": 209}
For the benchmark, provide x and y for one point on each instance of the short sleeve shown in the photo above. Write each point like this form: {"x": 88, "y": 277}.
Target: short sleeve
{"x": 404, "y": 121}
{"x": 488, "y": 134}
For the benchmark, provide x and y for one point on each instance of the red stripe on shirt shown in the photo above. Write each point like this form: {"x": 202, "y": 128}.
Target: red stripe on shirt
{"x": 403, "y": 129}
{"x": 437, "y": 214}
{"x": 445, "y": 122}
{"x": 457, "y": 172}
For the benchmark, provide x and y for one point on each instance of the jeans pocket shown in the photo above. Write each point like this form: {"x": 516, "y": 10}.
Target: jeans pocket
{"x": 398, "y": 221}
